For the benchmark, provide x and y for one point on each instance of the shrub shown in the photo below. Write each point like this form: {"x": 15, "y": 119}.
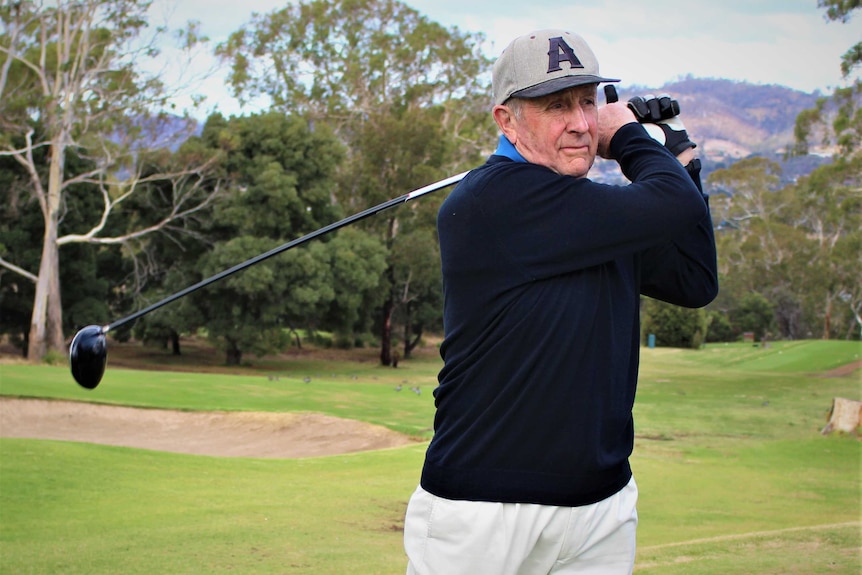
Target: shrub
{"x": 720, "y": 328}
{"x": 675, "y": 326}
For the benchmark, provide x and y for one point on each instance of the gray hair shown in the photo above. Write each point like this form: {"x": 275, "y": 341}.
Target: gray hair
{"x": 515, "y": 104}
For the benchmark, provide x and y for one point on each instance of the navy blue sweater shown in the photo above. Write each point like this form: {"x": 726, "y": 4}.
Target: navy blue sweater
{"x": 542, "y": 276}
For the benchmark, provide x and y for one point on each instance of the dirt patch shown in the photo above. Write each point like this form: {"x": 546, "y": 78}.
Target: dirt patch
{"x": 229, "y": 434}
{"x": 844, "y": 370}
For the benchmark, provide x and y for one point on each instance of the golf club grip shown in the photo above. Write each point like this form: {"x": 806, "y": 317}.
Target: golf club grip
{"x": 611, "y": 95}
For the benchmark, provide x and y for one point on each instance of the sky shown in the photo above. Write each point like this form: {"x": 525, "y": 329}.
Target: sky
{"x": 642, "y": 42}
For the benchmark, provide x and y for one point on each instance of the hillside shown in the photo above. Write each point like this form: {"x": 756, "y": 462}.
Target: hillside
{"x": 733, "y": 120}
{"x": 728, "y": 120}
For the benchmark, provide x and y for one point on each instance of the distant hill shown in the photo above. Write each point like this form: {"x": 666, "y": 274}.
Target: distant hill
{"x": 734, "y": 120}
{"x": 739, "y": 119}
{"x": 729, "y": 121}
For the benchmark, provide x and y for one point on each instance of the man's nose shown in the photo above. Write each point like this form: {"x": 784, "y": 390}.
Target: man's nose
{"x": 577, "y": 120}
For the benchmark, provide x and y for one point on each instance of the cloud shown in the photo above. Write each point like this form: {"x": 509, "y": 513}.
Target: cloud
{"x": 786, "y": 42}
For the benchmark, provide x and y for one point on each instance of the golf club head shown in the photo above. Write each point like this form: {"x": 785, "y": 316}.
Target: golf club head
{"x": 88, "y": 354}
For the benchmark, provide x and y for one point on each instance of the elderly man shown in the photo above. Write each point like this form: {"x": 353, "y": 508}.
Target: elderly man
{"x": 543, "y": 269}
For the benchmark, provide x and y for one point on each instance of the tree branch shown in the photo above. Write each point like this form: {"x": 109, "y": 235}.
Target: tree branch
{"x": 17, "y": 270}
{"x": 175, "y": 214}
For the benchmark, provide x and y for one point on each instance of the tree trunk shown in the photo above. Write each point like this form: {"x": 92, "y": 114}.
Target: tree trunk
{"x": 386, "y": 330}
{"x": 233, "y": 354}
{"x": 412, "y": 334}
{"x": 410, "y": 344}
{"x": 389, "y": 304}
{"x": 175, "y": 343}
{"x": 56, "y": 341}
{"x": 46, "y": 323}
{"x": 297, "y": 339}
{"x": 38, "y": 340}
{"x": 827, "y": 318}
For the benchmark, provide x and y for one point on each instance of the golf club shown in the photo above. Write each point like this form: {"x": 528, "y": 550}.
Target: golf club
{"x": 88, "y": 352}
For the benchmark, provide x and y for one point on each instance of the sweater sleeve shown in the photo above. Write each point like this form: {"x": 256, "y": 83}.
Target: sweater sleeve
{"x": 547, "y": 224}
{"x": 684, "y": 270}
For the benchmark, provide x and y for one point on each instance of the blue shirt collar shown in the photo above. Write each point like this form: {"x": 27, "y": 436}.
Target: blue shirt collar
{"x": 505, "y": 148}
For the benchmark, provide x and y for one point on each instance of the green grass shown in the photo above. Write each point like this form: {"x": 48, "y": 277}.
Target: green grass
{"x": 734, "y": 475}
{"x": 806, "y": 356}
{"x": 76, "y": 508}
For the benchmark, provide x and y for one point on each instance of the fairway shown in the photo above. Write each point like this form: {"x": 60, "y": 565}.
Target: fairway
{"x": 734, "y": 475}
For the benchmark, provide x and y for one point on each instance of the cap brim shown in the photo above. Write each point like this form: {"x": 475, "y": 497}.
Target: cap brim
{"x": 558, "y": 84}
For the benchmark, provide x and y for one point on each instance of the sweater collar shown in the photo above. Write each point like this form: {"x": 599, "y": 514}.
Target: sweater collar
{"x": 506, "y": 149}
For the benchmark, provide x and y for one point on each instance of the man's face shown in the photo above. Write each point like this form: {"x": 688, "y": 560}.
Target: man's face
{"x": 558, "y": 131}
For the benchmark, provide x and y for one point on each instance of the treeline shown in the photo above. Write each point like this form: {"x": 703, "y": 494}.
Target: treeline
{"x": 275, "y": 179}
{"x": 790, "y": 258}
{"x": 369, "y": 100}
{"x": 95, "y": 222}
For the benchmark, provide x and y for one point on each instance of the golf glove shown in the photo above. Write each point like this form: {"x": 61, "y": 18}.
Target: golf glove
{"x": 651, "y": 109}
{"x": 660, "y": 117}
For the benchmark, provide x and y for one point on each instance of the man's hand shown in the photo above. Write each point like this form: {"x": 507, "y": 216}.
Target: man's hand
{"x": 671, "y": 134}
{"x": 611, "y": 118}
{"x": 660, "y": 117}
{"x": 651, "y": 109}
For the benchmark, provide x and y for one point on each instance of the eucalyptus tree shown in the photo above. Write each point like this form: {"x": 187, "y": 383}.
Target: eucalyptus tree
{"x": 827, "y": 208}
{"x": 842, "y": 11}
{"x": 71, "y": 79}
{"x": 760, "y": 249}
{"x": 830, "y": 198}
{"x": 797, "y": 245}
{"x": 407, "y": 96}
{"x": 88, "y": 272}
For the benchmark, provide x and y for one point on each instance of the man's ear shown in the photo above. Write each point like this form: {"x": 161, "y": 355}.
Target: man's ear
{"x": 505, "y": 119}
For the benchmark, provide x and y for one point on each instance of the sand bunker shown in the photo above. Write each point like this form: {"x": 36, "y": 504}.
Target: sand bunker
{"x": 229, "y": 434}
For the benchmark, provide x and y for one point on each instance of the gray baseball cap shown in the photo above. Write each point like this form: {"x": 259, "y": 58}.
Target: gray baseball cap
{"x": 544, "y": 62}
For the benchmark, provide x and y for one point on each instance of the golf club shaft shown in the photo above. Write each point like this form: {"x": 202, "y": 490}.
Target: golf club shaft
{"x": 291, "y": 244}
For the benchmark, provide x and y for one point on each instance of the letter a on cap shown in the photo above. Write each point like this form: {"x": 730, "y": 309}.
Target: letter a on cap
{"x": 559, "y": 51}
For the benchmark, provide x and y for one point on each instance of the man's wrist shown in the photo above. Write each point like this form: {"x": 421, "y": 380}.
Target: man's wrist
{"x": 693, "y": 167}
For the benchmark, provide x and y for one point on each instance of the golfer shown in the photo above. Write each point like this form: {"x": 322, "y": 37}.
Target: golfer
{"x": 543, "y": 270}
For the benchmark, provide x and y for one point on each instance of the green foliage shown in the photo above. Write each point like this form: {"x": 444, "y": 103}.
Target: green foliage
{"x": 73, "y": 82}
{"x": 54, "y": 358}
{"x": 357, "y": 261}
{"x": 841, "y": 10}
{"x": 795, "y": 246}
{"x": 245, "y": 311}
{"x": 838, "y": 118}
{"x": 281, "y": 173}
{"x": 720, "y": 327}
{"x": 20, "y": 230}
{"x": 87, "y": 272}
{"x": 754, "y": 313}
{"x": 280, "y": 170}
{"x": 674, "y": 326}
{"x": 408, "y": 98}
{"x": 847, "y": 122}
{"x": 296, "y": 55}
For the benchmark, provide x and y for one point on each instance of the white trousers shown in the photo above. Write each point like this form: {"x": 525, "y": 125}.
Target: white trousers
{"x": 445, "y": 537}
